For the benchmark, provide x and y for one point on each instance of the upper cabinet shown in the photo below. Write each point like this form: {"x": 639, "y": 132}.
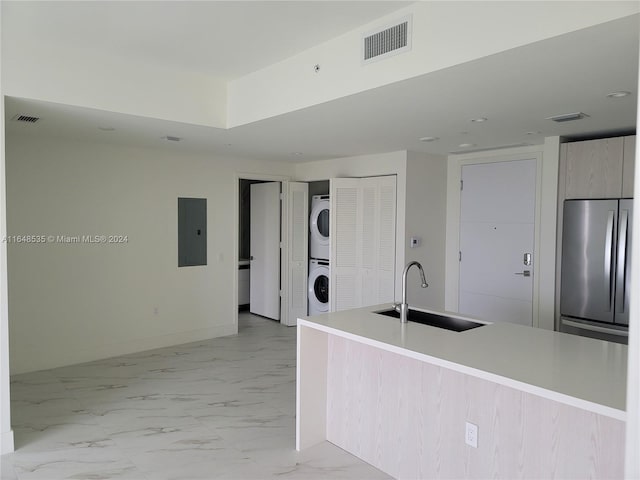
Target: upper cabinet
{"x": 628, "y": 166}
{"x": 600, "y": 168}
{"x": 594, "y": 168}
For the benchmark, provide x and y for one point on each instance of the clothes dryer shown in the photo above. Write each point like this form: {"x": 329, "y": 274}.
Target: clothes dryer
{"x": 319, "y": 227}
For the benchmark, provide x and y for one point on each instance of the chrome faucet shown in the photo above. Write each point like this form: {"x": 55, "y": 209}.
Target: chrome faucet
{"x": 403, "y": 308}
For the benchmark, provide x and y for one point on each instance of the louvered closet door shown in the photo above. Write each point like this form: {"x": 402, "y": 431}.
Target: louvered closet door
{"x": 363, "y": 241}
{"x": 344, "y": 288}
{"x": 297, "y": 251}
{"x": 378, "y": 233}
{"x": 386, "y": 242}
{"x": 369, "y": 228}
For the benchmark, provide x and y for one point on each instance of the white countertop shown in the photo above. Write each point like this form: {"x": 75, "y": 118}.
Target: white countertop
{"x": 577, "y": 371}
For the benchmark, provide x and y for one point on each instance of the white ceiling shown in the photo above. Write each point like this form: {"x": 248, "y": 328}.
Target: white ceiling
{"x": 227, "y": 39}
{"x": 516, "y": 90}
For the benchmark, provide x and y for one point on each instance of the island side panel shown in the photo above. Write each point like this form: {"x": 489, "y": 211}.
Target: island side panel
{"x": 407, "y": 418}
{"x": 311, "y": 387}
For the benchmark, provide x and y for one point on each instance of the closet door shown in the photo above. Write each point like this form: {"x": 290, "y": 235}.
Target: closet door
{"x": 344, "y": 265}
{"x": 363, "y": 241}
{"x": 369, "y": 233}
{"x": 378, "y": 233}
{"x": 386, "y": 239}
{"x": 295, "y": 228}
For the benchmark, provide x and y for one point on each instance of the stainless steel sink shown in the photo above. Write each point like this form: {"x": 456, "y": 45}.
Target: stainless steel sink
{"x": 435, "y": 320}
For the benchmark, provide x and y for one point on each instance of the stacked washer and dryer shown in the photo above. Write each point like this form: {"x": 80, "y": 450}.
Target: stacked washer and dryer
{"x": 319, "y": 255}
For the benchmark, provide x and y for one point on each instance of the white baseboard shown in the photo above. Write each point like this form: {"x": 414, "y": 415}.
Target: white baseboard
{"x": 38, "y": 360}
{"x": 6, "y": 442}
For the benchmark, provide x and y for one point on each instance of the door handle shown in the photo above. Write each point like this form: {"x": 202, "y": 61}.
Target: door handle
{"x": 608, "y": 257}
{"x": 622, "y": 259}
{"x": 595, "y": 328}
{"x": 525, "y": 273}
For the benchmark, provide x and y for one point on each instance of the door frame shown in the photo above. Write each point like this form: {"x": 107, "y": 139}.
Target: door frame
{"x": 454, "y": 175}
{"x": 236, "y": 236}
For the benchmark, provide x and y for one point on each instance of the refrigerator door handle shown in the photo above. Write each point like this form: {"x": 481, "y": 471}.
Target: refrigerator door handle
{"x": 608, "y": 257}
{"x": 594, "y": 328}
{"x": 622, "y": 260}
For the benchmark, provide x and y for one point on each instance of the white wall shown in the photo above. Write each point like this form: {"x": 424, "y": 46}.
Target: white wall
{"x": 632, "y": 447}
{"x": 426, "y": 218}
{"x": 394, "y": 163}
{"x": 444, "y": 34}
{"x": 548, "y": 233}
{"x": 6, "y": 434}
{"x": 70, "y": 303}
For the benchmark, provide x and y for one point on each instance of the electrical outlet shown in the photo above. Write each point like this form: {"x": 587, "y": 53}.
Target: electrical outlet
{"x": 471, "y": 435}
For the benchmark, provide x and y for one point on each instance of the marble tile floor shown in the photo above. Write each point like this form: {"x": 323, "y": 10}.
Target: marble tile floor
{"x": 217, "y": 409}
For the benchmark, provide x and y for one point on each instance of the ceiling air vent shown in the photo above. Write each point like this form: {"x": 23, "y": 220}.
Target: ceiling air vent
{"x": 171, "y": 138}
{"x": 387, "y": 41}
{"x": 25, "y": 118}
{"x": 487, "y": 149}
{"x": 567, "y": 117}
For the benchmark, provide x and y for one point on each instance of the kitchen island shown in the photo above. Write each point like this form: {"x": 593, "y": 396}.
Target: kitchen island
{"x": 398, "y": 396}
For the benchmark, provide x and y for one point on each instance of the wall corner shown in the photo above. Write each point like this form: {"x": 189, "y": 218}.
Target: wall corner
{"x": 548, "y": 229}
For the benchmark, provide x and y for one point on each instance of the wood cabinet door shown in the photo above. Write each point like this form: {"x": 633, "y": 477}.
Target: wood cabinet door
{"x": 628, "y": 166}
{"x": 594, "y": 168}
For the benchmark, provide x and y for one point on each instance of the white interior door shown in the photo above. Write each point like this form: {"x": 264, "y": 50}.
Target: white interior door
{"x": 265, "y": 250}
{"x": 497, "y": 225}
{"x": 346, "y": 241}
{"x": 363, "y": 241}
{"x": 295, "y": 270}
{"x": 378, "y": 242}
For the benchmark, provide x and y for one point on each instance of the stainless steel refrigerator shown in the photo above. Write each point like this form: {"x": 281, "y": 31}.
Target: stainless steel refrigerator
{"x": 596, "y": 267}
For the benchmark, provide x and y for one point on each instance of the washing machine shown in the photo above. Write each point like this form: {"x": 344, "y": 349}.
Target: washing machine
{"x": 318, "y": 287}
{"x": 319, "y": 227}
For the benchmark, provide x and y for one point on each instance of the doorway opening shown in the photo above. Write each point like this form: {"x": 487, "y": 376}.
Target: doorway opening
{"x": 259, "y": 239}
{"x": 273, "y": 220}
{"x": 318, "y": 244}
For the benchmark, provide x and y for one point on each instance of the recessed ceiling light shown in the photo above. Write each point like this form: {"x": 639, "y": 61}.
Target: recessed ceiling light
{"x": 429, "y": 139}
{"x": 297, "y": 153}
{"x": 620, "y": 94}
{"x": 106, "y": 129}
{"x": 467, "y": 145}
{"x": 479, "y": 119}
